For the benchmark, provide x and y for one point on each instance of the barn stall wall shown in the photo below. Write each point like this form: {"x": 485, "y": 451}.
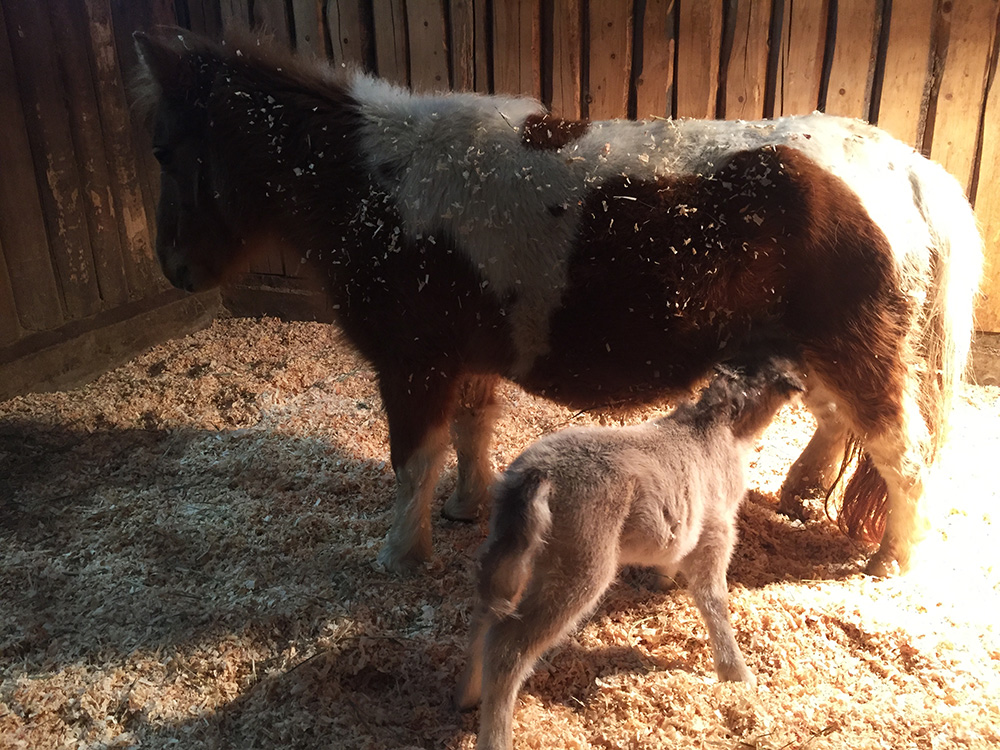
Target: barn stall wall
{"x": 79, "y": 287}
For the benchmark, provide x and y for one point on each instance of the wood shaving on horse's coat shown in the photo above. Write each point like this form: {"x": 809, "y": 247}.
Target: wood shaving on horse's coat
{"x": 188, "y": 549}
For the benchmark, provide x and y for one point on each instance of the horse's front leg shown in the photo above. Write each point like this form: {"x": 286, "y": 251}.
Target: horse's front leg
{"x": 472, "y": 428}
{"x": 418, "y": 408}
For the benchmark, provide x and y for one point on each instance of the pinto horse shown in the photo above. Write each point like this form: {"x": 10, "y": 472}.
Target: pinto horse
{"x": 463, "y": 238}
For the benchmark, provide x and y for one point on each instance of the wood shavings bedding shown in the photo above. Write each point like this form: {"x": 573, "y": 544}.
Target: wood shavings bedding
{"x": 188, "y": 561}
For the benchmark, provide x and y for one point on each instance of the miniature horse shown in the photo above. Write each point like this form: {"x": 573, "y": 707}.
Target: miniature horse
{"x": 579, "y": 504}
{"x": 463, "y": 238}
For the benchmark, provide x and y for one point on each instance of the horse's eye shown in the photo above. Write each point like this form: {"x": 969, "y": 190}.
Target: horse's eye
{"x": 162, "y": 154}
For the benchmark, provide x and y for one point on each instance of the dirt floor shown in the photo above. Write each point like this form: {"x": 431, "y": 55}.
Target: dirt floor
{"x": 188, "y": 551}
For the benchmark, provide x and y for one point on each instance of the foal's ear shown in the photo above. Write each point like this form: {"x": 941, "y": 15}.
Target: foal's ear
{"x": 169, "y": 60}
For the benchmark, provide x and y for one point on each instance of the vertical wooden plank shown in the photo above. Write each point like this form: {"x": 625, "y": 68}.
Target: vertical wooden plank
{"x": 131, "y": 220}
{"x": 463, "y": 45}
{"x": 428, "y": 45}
{"x": 205, "y": 17}
{"x": 235, "y": 14}
{"x": 800, "y": 71}
{"x": 44, "y": 94}
{"x": 746, "y": 68}
{"x": 10, "y": 331}
{"x": 272, "y": 17}
{"x": 609, "y": 59}
{"x": 72, "y": 37}
{"x": 988, "y": 203}
{"x": 853, "y": 67}
{"x": 307, "y": 16}
{"x": 699, "y": 39}
{"x": 483, "y": 22}
{"x": 906, "y": 80}
{"x": 654, "y": 85}
{"x": 517, "y": 48}
{"x": 348, "y": 35}
{"x": 970, "y": 26}
{"x": 22, "y": 225}
{"x": 391, "y": 48}
{"x": 567, "y": 51}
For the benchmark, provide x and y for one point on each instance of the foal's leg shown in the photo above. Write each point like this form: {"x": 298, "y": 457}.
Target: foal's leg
{"x": 472, "y": 428}
{"x": 418, "y": 410}
{"x": 705, "y": 569}
{"x": 513, "y": 645}
{"x": 814, "y": 472}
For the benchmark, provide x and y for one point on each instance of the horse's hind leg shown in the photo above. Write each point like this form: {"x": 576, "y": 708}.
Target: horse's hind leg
{"x": 815, "y": 470}
{"x": 472, "y": 428}
{"x": 897, "y": 454}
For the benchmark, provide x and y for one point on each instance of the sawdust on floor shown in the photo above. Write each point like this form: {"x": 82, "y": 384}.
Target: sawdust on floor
{"x": 188, "y": 561}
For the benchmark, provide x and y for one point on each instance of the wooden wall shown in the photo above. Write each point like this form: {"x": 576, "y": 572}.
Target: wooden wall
{"x": 77, "y": 193}
{"x": 78, "y": 185}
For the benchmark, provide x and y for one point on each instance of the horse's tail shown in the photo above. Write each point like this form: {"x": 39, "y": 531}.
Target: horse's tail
{"x": 521, "y": 524}
{"x": 947, "y": 283}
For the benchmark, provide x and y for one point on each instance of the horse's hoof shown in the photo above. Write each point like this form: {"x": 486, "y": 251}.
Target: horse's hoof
{"x": 802, "y": 504}
{"x": 402, "y": 563}
{"x": 459, "y": 508}
{"x": 884, "y": 566}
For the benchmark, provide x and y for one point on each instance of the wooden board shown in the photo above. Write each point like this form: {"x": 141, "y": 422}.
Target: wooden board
{"x": 699, "y": 38}
{"x": 987, "y": 198}
{"x": 72, "y": 42}
{"x": 484, "y": 48}
{"x": 969, "y": 27}
{"x": 428, "y": 45}
{"x": 567, "y": 54}
{"x": 391, "y": 45}
{"x": 44, "y": 96}
{"x": 853, "y": 63}
{"x": 517, "y": 48}
{"x": 463, "y": 44}
{"x": 272, "y": 17}
{"x": 133, "y": 224}
{"x": 654, "y": 84}
{"x": 800, "y": 69}
{"x": 10, "y": 329}
{"x": 310, "y": 34}
{"x": 745, "y": 72}
{"x": 235, "y": 14}
{"x": 348, "y": 35}
{"x": 906, "y": 81}
{"x": 23, "y": 236}
{"x": 610, "y": 58}
{"x": 205, "y": 17}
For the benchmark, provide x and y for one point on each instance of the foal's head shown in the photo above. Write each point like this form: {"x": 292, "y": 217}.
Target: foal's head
{"x": 239, "y": 131}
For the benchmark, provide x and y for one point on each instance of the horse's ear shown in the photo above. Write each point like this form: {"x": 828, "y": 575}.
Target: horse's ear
{"x": 168, "y": 61}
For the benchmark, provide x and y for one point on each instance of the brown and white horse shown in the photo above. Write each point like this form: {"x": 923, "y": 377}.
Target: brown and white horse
{"x": 465, "y": 238}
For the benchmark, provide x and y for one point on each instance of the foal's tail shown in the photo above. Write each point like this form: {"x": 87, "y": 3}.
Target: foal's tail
{"x": 521, "y": 523}
{"x": 941, "y": 333}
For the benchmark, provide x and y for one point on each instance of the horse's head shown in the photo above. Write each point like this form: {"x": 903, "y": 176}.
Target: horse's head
{"x": 196, "y": 243}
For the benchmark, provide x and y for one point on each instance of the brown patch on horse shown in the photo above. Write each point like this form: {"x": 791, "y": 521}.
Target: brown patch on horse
{"x": 548, "y": 133}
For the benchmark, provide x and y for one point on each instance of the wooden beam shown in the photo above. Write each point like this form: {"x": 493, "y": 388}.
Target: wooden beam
{"x": 567, "y": 53}
{"x": 428, "y": 45}
{"x": 853, "y": 64}
{"x": 800, "y": 69}
{"x": 968, "y": 30}
{"x": 610, "y": 58}
{"x": 517, "y": 48}
{"x": 654, "y": 85}
{"x": 906, "y": 79}
{"x": 746, "y": 69}
{"x": 391, "y": 43}
{"x": 699, "y": 38}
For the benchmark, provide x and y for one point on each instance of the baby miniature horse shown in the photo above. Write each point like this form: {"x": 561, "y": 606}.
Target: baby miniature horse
{"x": 462, "y": 238}
{"x": 579, "y": 504}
